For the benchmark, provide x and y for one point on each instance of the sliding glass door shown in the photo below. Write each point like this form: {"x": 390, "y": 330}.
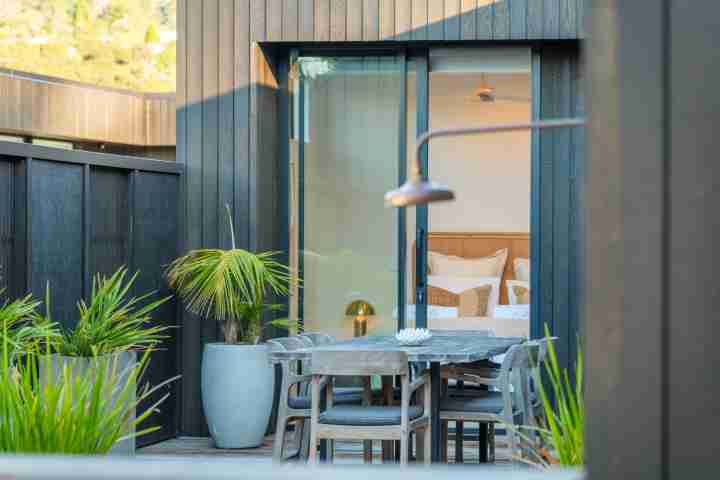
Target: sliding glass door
{"x": 347, "y": 150}
{"x": 368, "y": 269}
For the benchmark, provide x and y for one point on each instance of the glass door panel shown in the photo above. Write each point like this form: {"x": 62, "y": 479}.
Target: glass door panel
{"x": 491, "y": 178}
{"x": 348, "y": 121}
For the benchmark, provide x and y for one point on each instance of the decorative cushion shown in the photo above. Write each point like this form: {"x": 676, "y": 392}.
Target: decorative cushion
{"x": 367, "y": 416}
{"x": 444, "y": 292}
{"x": 518, "y": 292}
{"x": 490, "y": 266}
{"x": 522, "y": 295}
{"x": 521, "y": 266}
{"x": 474, "y": 302}
{"x": 341, "y": 396}
{"x": 490, "y": 402}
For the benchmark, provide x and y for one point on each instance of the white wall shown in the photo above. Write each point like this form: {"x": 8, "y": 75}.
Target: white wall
{"x": 490, "y": 174}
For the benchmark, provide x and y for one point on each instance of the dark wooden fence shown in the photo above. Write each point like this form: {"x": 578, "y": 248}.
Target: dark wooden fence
{"x": 66, "y": 215}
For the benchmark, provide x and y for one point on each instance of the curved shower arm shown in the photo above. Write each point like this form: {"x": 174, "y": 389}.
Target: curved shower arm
{"x": 508, "y": 127}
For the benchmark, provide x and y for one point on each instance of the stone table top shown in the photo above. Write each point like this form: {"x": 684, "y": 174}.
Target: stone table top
{"x": 452, "y": 347}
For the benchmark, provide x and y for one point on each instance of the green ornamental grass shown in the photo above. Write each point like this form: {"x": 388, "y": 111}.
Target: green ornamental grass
{"x": 562, "y": 431}
{"x": 67, "y": 413}
{"x": 22, "y": 327}
{"x": 110, "y": 322}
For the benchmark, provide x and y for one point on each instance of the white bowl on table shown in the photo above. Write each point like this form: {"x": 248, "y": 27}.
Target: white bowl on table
{"x": 413, "y": 337}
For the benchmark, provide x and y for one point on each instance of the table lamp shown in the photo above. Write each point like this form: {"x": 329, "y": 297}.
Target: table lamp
{"x": 360, "y": 310}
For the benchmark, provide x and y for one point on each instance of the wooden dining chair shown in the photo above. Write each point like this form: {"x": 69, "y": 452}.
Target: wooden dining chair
{"x": 367, "y": 422}
{"x": 505, "y": 401}
{"x": 294, "y": 404}
{"x": 537, "y": 351}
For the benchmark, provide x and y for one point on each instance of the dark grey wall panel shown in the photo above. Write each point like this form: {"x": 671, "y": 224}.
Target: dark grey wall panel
{"x": 155, "y": 245}
{"x": 109, "y": 220}
{"x": 56, "y": 235}
{"x": 652, "y": 232}
{"x": 68, "y": 214}
{"x": 7, "y": 227}
{"x": 557, "y": 227}
{"x": 693, "y": 233}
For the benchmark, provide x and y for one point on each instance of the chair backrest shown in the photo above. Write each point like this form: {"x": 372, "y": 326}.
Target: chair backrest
{"x": 285, "y": 344}
{"x": 514, "y": 381}
{"x": 318, "y": 339}
{"x": 359, "y": 363}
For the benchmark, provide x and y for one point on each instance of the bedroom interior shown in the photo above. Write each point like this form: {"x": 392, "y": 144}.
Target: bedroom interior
{"x": 478, "y": 246}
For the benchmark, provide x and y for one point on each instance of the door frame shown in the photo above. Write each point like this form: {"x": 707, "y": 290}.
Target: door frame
{"x": 420, "y": 57}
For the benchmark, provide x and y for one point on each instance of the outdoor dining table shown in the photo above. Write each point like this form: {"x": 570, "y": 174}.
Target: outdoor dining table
{"x": 445, "y": 346}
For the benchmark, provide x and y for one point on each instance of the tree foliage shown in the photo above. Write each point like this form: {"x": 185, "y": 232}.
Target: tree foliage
{"x": 129, "y": 44}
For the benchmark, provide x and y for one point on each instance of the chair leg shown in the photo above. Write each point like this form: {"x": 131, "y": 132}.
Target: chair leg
{"x": 312, "y": 453}
{"x": 404, "y": 441}
{"x": 367, "y": 451}
{"x": 279, "y": 437}
{"x": 444, "y": 441}
{"x": 459, "y": 447}
{"x": 305, "y": 445}
{"x": 427, "y": 445}
{"x": 330, "y": 451}
{"x": 482, "y": 442}
{"x": 491, "y": 442}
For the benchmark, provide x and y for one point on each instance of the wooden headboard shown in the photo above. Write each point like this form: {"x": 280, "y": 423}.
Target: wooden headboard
{"x": 475, "y": 245}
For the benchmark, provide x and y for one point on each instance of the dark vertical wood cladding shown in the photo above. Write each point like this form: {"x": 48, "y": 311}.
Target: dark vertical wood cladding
{"x": 56, "y": 223}
{"x": 155, "y": 235}
{"x": 66, "y": 215}
{"x": 7, "y": 223}
{"x": 245, "y": 171}
{"x": 109, "y": 220}
{"x": 557, "y": 227}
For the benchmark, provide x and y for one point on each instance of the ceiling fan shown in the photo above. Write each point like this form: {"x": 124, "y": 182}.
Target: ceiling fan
{"x": 486, "y": 93}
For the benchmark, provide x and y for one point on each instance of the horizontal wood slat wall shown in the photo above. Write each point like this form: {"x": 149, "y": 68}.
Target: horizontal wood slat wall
{"x": 54, "y": 108}
{"x": 218, "y": 69}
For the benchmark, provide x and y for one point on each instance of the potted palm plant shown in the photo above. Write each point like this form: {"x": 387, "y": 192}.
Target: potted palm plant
{"x": 230, "y": 287}
{"x": 112, "y": 328}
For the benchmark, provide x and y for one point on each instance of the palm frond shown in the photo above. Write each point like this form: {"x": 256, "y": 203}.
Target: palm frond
{"x": 229, "y": 285}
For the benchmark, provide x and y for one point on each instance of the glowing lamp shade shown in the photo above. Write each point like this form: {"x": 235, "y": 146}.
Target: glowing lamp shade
{"x": 360, "y": 310}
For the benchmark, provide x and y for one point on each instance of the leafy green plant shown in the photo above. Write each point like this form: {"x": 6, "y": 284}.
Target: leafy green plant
{"x": 111, "y": 321}
{"x": 230, "y": 286}
{"x": 561, "y": 437}
{"x": 22, "y": 327}
{"x": 69, "y": 413}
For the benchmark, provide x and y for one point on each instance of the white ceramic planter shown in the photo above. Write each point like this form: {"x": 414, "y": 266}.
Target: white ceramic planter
{"x": 237, "y": 393}
{"x": 82, "y": 366}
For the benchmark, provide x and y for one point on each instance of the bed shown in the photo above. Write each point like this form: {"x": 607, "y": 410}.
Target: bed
{"x": 443, "y": 293}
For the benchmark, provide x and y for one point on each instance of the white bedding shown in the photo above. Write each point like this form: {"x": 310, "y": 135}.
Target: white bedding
{"x": 508, "y": 321}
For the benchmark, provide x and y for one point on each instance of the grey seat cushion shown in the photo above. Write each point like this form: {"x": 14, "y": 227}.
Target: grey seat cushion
{"x": 489, "y": 402}
{"x": 341, "y": 396}
{"x": 367, "y": 416}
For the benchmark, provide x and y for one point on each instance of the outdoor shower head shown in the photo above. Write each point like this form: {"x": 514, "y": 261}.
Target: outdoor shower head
{"x": 417, "y": 190}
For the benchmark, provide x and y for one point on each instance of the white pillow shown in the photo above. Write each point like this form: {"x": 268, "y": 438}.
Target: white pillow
{"x": 458, "y": 285}
{"x": 521, "y": 266}
{"x": 512, "y": 299}
{"x": 450, "y": 265}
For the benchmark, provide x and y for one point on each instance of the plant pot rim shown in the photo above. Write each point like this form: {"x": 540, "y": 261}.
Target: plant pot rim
{"x": 104, "y": 355}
